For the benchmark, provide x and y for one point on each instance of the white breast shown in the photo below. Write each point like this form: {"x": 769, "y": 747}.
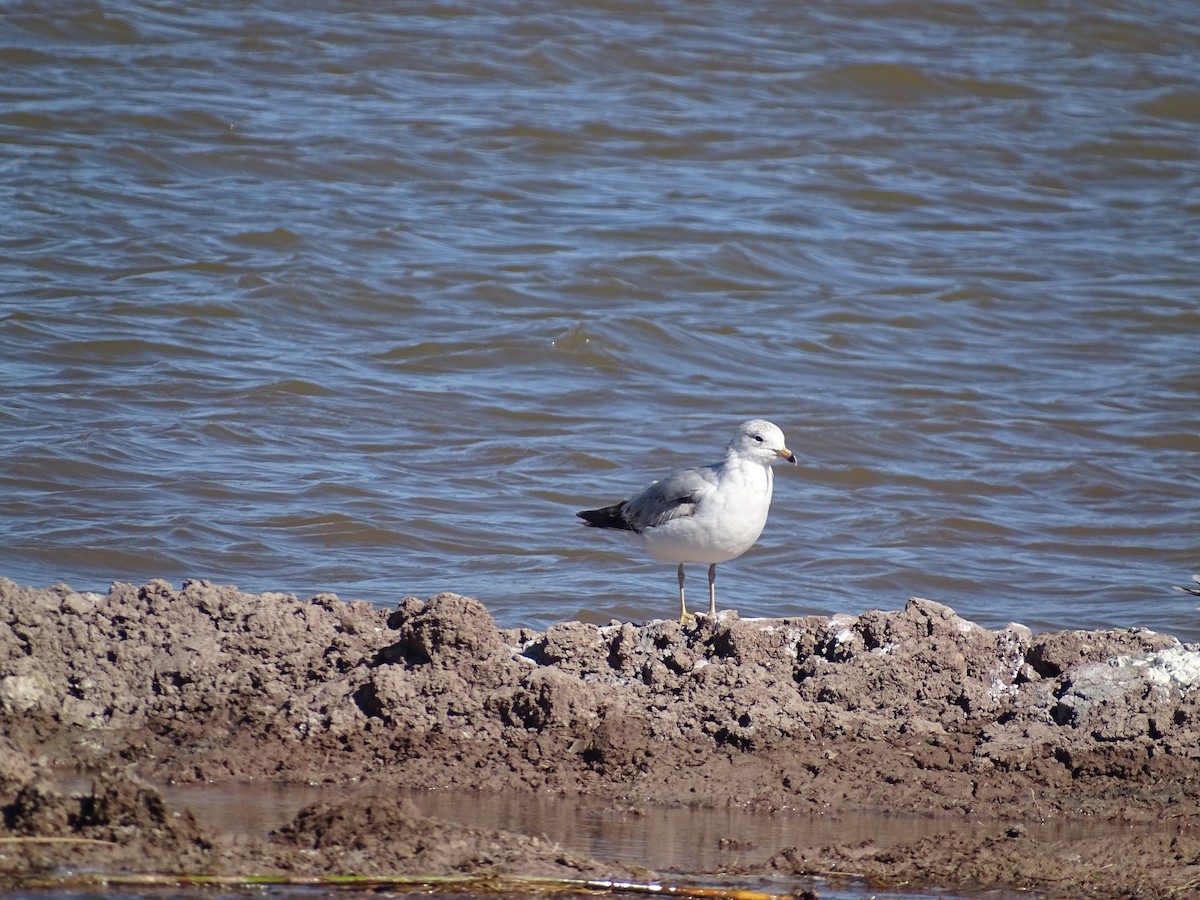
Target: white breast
{"x": 727, "y": 520}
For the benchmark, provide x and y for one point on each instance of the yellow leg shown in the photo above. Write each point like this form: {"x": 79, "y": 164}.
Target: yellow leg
{"x": 683, "y": 613}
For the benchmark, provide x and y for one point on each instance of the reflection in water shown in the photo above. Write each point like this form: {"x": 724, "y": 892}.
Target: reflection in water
{"x": 661, "y": 839}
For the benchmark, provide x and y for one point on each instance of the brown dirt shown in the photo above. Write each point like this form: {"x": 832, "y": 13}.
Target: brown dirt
{"x": 912, "y": 712}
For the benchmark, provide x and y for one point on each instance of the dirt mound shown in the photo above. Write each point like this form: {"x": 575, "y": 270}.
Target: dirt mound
{"x": 911, "y": 711}
{"x": 119, "y": 823}
{"x": 381, "y": 835}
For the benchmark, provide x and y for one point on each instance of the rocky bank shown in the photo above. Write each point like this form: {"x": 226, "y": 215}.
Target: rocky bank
{"x": 914, "y": 712}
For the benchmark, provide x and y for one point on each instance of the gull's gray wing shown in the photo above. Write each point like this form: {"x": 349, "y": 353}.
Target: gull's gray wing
{"x": 673, "y": 497}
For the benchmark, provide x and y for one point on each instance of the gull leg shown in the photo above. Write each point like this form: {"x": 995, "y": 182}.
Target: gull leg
{"x": 683, "y": 613}
{"x": 712, "y": 592}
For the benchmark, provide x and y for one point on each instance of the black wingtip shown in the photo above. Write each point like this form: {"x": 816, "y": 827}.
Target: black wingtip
{"x": 608, "y": 517}
{"x": 1191, "y": 590}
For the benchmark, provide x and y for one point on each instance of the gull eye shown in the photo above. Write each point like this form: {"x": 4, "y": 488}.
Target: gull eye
{"x": 759, "y": 438}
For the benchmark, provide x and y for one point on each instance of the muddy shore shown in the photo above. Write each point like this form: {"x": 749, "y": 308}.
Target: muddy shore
{"x": 904, "y": 713}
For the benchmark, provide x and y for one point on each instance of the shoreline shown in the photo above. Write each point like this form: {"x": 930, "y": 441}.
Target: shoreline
{"x": 908, "y": 713}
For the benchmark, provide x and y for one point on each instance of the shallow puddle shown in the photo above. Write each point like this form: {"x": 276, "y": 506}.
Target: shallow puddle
{"x": 658, "y": 838}
{"x": 669, "y": 841}
{"x": 663, "y": 840}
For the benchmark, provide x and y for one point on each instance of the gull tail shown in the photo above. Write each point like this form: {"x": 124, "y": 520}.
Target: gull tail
{"x": 1191, "y": 590}
{"x": 608, "y": 517}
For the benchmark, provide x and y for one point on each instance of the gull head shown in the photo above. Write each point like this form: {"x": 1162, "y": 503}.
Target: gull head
{"x": 761, "y": 441}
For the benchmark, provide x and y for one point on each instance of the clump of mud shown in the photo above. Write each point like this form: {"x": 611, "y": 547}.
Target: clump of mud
{"x": 913, "y": 711}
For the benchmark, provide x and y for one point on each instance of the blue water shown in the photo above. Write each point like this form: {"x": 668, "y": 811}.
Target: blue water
{"x": 340, "y": 297}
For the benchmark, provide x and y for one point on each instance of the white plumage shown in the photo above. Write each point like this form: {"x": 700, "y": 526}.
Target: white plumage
{"x": 710, "y": 514}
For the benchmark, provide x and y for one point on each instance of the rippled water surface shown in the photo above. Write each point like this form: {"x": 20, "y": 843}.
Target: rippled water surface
{"x": 370, "y": 298}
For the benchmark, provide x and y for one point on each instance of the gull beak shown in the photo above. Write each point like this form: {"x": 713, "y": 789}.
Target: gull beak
{"x": 785, "y": 453}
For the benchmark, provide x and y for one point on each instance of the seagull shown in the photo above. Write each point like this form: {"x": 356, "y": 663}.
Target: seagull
{"x": 1191, "y": 590}
{"x": 710, "y": 514}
